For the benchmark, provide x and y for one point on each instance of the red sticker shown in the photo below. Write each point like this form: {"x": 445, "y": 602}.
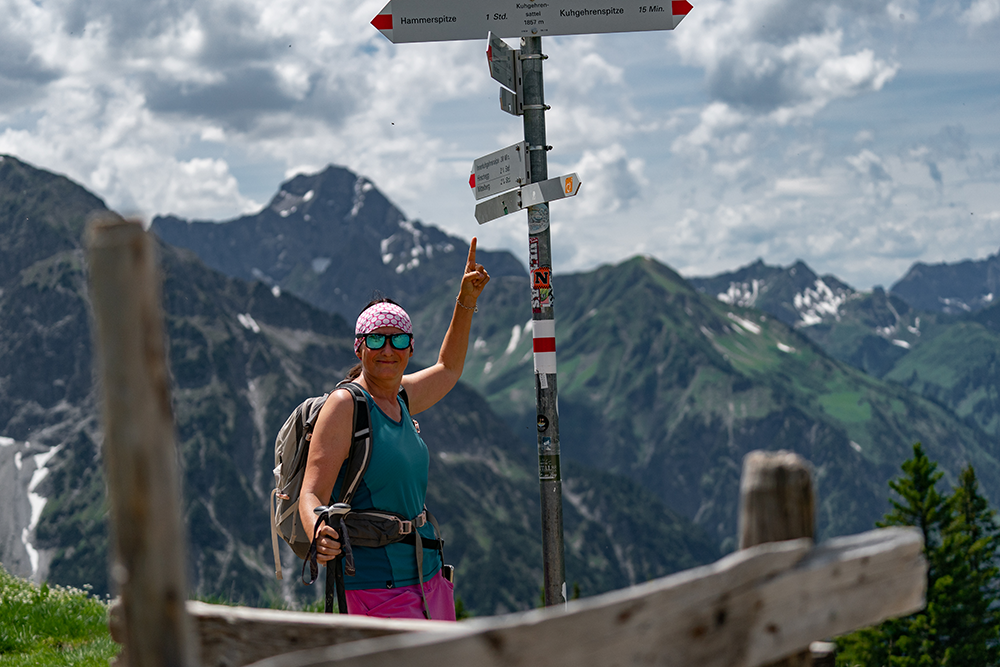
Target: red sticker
{"x": 541, "y": 278}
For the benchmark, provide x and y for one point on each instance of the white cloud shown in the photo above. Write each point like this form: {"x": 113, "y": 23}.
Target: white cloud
{"x": 981, "y": 13}
{"x": 718, "y": 122}
{"x": 758, "y": 128}
{"x": 805, "y": 186}
{"x": 774, "y": 62}
{"x": 613, "y": 181}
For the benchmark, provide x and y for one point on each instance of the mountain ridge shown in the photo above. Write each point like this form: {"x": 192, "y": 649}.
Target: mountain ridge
{"x": 241, "y": 356}
{"x": 309, "y": 238}
{"x": 671, "y": 387}
{"x": 714, "y": 372}
{"x": 952, "y": 288}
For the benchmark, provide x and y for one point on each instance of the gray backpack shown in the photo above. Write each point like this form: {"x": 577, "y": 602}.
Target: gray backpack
{"x": 291, "y": 449}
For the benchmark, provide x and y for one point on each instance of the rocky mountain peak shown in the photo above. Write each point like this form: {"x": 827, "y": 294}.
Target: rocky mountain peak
{"x": 794, "y": 294}
{"x": 332, "y": 238}
{"x": 961, "y": 287}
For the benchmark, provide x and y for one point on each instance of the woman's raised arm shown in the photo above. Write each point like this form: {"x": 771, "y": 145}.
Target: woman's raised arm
{"x": 428, "y": 386}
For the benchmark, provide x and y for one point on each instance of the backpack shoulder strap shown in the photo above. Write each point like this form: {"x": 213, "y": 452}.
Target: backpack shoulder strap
{"x": 360, "y": 454}
{"x": 405, "y": 397}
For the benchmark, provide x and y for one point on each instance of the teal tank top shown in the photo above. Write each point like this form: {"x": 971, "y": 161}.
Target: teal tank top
{"x": 396, "y": 481}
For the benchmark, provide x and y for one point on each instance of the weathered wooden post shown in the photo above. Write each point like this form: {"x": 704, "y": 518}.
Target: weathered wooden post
{"x": 140, "y": 455}
{"x": 777, "y": 503}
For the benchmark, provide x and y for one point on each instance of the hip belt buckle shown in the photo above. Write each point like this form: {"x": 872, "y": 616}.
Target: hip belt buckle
{"x": 406, "y": 527}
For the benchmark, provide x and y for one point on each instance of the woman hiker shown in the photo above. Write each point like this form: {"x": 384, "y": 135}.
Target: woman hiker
{"x": 386, "y": 582}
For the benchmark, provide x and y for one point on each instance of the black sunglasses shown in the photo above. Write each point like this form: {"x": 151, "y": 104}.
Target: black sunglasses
{"x": 376, "y": 341}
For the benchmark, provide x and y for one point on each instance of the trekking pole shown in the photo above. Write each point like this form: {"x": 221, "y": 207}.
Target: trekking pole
{"x": 335, "y": 574}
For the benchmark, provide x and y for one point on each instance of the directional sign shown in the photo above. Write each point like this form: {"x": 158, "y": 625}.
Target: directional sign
{"x": 536, "y": 193}
{"x": 554, "y": 188}
{"x": 505, "y": 67}
{"x": 511, "y": 103}
{"x": 504, "y": 64}
{"x": 499, "y": 171}
{"x": 404, "y": 21}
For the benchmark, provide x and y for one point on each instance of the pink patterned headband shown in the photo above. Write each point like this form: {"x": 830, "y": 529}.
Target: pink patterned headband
{"x": 381, "y": 315}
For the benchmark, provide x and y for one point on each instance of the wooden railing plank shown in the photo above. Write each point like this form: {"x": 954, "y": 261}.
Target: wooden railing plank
{"x": 721, "y": 615}
{"x": 235, "y": 636}
{"x": 845, "y": 584}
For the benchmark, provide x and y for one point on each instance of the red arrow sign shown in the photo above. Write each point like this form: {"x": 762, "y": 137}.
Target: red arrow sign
{"x": 472, "y": 180}
{"x": 680, "y": 7}
{"x": 384, "y": 21}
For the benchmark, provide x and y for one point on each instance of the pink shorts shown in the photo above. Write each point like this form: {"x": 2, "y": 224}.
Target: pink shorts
{"x": 405, "y": 602}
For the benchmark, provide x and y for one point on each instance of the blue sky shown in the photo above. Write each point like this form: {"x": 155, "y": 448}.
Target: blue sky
{"x": 858, "y": 135}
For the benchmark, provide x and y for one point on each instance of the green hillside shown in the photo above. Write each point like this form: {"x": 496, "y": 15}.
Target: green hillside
{"x": 959, "y": 368}
{"x": 873, "y": 330}
{"x": 672, "y": 387}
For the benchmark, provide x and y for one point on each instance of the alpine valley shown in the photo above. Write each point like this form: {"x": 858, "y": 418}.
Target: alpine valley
{"x": 242, "y": 354}
{"x": 670, "y": 382}
{"x": 665, "y": 384}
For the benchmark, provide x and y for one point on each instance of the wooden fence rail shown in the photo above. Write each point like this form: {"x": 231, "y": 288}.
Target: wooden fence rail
{"x": 237, "y": 636}
{"x": 753, "y": 607}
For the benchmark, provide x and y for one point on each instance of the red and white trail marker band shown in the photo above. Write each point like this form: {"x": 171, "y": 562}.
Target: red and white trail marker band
{"x": 403, "y": 21}
{"x": 543, "y": 337}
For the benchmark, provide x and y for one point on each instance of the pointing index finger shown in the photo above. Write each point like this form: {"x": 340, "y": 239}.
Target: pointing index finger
{"x": 471, "y": 264}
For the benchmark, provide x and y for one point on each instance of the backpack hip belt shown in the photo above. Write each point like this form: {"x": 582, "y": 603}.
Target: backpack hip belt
{"x": 377, "y": 528}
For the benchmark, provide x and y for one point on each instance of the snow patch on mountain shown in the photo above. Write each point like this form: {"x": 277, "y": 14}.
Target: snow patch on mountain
{"x": 248, "y": 322}
{"x": 285, "y": 203}
{"x": 819, "y": 302}
{"x": 409, "y": 246}
{"x": 746, "y": 324}
{"x": 741, "y": 294}
{"x": 955, "y": 305}
{"x": 361, "y": 187}
{"x": 515, "y": 338}
{"x": 37, "y": 502}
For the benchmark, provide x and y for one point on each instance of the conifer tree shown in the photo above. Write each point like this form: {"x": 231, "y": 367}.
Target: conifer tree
{"x": 910, "y": 641}
{"x": 968, "y": 621}
{"x": 961, "y": 623}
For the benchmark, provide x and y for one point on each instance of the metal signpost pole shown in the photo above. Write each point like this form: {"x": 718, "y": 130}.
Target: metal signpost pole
{"x": 543, "y": 327}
